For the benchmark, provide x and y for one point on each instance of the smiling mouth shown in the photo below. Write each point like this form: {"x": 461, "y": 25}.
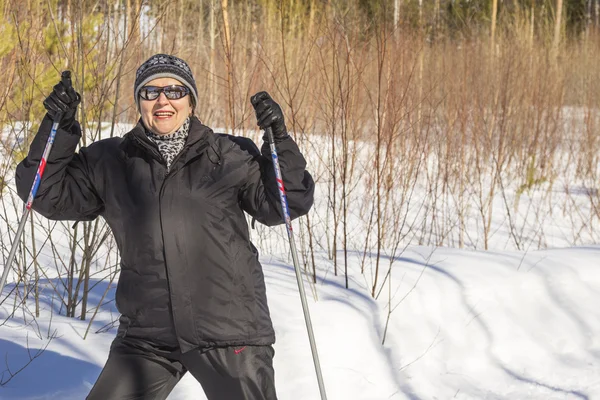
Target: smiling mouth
{"x": 163, "y": 114}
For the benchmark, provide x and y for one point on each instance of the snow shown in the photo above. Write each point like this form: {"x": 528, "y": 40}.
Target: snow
{"x": 463, "y": 323}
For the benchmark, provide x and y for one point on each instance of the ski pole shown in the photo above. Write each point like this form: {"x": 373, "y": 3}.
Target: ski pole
{"x": 65, "y": 77}
{"x": 288, "y": 224}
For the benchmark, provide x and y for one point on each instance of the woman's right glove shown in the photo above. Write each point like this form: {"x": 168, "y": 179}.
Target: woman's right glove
{"x": 63, "y": 102}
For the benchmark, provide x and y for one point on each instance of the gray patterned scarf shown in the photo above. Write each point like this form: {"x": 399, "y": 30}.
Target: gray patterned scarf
{"x": 169, "y": 146}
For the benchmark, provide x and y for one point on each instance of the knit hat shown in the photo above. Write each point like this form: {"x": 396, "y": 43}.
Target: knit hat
{"x": 164, "y": 66}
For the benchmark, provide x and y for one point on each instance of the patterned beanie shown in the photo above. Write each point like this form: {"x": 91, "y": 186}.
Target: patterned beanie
{"x": 164, "y": 66}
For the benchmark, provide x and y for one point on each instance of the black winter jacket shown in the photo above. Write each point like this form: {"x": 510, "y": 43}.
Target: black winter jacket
{"x": 189, "y": 274}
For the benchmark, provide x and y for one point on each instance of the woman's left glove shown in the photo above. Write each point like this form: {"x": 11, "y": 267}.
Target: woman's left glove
{"x": 269, "y": 114}
{"x": 63, "y": 100}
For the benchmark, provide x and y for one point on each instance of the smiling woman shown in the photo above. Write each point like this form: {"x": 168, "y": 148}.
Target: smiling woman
{"x": 162, "y": 91}
{"x": 164, "y": 115}
{"x": 191, "y": 291}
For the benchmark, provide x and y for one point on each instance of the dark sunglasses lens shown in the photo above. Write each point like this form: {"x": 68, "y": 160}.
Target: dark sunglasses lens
{"x": 150, "y": 92}
{"x": 175, "y": 92}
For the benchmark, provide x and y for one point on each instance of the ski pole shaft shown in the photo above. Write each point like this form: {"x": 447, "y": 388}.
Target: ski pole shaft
{"x": 34, "y": 188}
{"x": 288, "y": 224}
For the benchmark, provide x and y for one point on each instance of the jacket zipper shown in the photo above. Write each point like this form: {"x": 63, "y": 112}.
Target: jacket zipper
{"x": 185, "y": 149}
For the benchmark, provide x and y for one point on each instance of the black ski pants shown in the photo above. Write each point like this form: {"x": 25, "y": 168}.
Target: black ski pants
{"x": 138, "y": 370}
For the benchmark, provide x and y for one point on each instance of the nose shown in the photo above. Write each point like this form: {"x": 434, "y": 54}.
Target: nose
{"x": 162, "y": 99}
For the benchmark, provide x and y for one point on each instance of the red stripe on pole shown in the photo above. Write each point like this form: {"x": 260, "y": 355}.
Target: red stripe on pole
{"x": 42, "y": 167}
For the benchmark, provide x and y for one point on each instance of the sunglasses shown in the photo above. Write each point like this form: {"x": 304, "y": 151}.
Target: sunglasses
{"x": 172, "y": 92}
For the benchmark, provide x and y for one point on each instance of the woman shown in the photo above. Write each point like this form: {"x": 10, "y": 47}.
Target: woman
{"x": 191, "y": 292}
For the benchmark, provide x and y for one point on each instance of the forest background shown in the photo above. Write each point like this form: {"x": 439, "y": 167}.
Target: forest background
{"x": 425, "y": 122}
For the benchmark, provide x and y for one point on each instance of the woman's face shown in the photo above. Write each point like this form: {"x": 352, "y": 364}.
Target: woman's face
{"x": 161, "y": 115}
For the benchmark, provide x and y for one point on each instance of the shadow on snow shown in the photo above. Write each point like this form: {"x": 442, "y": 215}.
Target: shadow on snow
{"x": 49, "y": 376}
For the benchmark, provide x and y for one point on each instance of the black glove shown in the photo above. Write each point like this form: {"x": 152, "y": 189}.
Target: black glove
{"x": 63, "y": 101}
{"x": 269, "y": 114}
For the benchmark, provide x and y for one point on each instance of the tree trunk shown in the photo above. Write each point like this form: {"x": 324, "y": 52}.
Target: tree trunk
{"x": 180, "y": 29}
{"x": 230, "y": 117}
{"x": 200, "y": 43}
{"x": 437, "y": 17}
{"x": 494, "y": 17}
{"x": 213, "y": 37}
{"x": 557, "y": 26}
{"x": 121, "y": 53}
{"x": 532, "y": 24}
{"x": 397, "y": 13}
{"x": 588, "y": 16}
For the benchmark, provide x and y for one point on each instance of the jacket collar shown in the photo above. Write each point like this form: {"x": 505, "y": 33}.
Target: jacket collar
{"x": 198, "y": 132}
{"x": 200, "y": 139}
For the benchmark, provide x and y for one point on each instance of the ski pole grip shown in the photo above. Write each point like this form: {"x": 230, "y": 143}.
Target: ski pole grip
{"x": 65, "y": 79}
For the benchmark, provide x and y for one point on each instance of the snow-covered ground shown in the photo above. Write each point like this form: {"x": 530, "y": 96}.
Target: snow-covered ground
{"x": 447, "y": 323}
{"x": 464, "y": 325}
